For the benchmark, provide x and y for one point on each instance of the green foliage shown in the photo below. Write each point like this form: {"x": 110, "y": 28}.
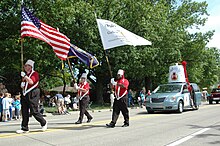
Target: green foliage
{"x": 164, "y": 22}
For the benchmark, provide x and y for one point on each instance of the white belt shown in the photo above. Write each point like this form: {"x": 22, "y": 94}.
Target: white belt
{"x": 26, "y": 91}
{"x": 119, "y": 97}
{"x": 83, "y": 95}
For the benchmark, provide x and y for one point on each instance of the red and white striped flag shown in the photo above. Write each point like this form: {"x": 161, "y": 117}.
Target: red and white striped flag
{"x": 33, "y": 27}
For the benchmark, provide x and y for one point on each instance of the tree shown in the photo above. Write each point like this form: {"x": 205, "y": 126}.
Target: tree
{"x": 164, "y": 22}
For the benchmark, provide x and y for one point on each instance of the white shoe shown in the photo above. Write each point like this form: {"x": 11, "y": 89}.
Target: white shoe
{"x": 44, "y": 128}
{"x": 21, "y": 131}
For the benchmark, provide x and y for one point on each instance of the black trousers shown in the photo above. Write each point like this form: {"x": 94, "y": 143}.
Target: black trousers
{"x": 83, "y": 104}
{"x": 30, "y": 102}
{"x": 120, "y": 105}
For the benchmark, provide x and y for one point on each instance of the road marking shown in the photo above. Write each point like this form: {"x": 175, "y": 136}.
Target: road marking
{"x": 37, "y": 131}
{"x": 102, "y": 122}
{"x": 188, "y": 137}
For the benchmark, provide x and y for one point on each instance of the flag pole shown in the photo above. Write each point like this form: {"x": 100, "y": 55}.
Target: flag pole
{"x": 64, "y": 79}
{"x": 71, "y": 70}
{"x": 106, "y": 57}
{"x": 109, "y": 66}
{"x": 22, "y": 48}
{"x": 22, "y": 55}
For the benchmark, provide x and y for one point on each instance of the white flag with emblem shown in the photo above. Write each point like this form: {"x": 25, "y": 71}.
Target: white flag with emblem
{"x": 113, "y": 35}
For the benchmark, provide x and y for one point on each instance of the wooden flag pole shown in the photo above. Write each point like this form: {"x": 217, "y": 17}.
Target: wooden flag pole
{"x": 64, "y": 79}
{"x": 22, "y": 55}
{"x": 22, "y": 48}
{"x": 109, "y": 66}
{"x": 71, "y": 70}
{"x": 106, "y": 57}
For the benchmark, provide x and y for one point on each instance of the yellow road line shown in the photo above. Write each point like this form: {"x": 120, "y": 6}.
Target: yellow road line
{"x": 103, "y": 122}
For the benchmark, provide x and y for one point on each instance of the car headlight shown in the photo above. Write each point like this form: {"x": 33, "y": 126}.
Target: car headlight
{"x": 173, "y": 98}
{"x": 170, "y": 99}
{"x": 147, "y": 99}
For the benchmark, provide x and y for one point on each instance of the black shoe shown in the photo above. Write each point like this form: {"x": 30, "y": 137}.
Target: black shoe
{"x": 78, "y": 122}
{"x": 125, "y": 125}
{"x": 89, "y": 120}
{"x": 110, "y": 125}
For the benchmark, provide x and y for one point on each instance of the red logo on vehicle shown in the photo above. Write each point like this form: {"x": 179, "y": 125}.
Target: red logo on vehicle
{"x": 174, "y": 76}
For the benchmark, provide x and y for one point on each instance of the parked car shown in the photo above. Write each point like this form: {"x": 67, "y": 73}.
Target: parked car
{"x": 215, "y": 96}
{"x": 173, "y": 97}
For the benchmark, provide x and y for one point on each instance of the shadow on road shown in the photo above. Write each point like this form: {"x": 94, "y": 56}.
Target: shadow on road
{"x": 74, "y": 127}
{"x": 165, "y": 112}
{"x": 216, "y": 127}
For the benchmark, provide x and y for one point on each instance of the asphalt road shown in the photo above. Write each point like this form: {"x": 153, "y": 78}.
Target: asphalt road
{"x": 191, "y": 128}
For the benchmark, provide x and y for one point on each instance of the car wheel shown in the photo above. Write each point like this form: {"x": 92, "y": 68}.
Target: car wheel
{"x": 210, "y": 101}
{"x": 180, "y": 107}
{"x": 217, "y": 102}
{"x": 149, "y": 111}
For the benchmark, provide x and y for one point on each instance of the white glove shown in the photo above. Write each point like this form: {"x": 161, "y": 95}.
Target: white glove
{"x": 113, "y": 81}
{"x": 22, "y": 84}
{"x": 76, "y": 86}
{"x": 23, "y": 74}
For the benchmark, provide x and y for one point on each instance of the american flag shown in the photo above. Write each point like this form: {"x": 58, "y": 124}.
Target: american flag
{"x": 33, "y": 27}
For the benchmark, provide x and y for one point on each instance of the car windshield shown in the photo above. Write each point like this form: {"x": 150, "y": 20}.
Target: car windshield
{"x": 216, "y": 90}
{"x": 168, "y": 89}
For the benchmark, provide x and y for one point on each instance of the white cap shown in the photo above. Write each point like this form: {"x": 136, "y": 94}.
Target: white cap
{"x": 120, "y": 72}
{"x": 84, "y": 75}
{"x": 30, "y": 62}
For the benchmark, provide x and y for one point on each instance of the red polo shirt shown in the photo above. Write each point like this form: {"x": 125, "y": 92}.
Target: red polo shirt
{"x": 85, "y": 86}
{"x": 122, "y": 90}
{"x": 35, "y": 78}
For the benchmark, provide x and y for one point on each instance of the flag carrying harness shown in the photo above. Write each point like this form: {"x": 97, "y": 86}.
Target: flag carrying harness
{"x": 25, "y": 91}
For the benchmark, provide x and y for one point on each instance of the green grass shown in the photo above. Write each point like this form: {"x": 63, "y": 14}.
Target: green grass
{"x": 50, "y": 109}
{"x": 94, "y": 106}
{"x": 99, "y": 106}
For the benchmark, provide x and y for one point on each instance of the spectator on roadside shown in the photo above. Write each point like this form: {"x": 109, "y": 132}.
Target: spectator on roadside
{"x": 1, "y": 108}
{"x": 17, "y": 106}
{"x": 148, "y": 93}
{"x": 3, "y": 89}
{"x": 75, "y": 103}
{"x": 141, "y": 97}
{"x": 60, "y": 103}
{"x": 204, "y": 93}
{"x": 5, "y": 105}
{"x": 52, "y": 101}
{"x": 130, "y": 98}
{"x": 11, "y": 107}
{"x": 67, "y": 101}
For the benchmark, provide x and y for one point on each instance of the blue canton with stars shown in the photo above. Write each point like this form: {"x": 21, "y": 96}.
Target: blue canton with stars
{"x": 27, "y": 16}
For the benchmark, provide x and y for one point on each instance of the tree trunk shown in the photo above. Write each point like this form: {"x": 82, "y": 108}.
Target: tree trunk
{"x": 99, "y": 90}
{"x": 148, "y": 83}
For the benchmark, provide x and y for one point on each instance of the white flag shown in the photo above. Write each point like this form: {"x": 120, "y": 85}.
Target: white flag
{"x": 113, "y": 35}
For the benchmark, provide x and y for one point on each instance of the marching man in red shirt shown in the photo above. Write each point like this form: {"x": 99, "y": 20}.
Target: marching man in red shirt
{"x": 121, "y": 99}
{"x": 30, "y": 98}
{"x": 83, "y": 95}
